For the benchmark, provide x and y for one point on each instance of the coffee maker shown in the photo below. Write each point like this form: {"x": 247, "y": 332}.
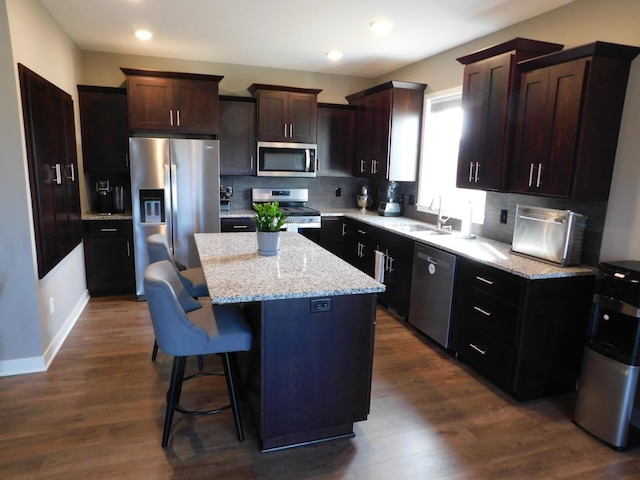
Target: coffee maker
{"x": 390, "y": 206}
{"x": 104, "y": 198}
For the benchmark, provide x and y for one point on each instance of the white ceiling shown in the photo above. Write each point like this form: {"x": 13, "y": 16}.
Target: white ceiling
{"x": 289, "y": 34}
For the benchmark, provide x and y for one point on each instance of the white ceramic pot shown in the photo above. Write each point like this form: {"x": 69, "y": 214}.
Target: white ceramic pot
{"x": 268, "y": 243}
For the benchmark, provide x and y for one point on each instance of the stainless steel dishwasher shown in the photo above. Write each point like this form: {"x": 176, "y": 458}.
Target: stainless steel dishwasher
{"x": 432, "y": 292}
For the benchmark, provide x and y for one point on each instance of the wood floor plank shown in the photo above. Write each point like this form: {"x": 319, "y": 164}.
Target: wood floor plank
{"x": 98, "y": 412}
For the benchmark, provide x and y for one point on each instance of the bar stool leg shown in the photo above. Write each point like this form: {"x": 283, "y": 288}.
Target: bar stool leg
{"x": 228, "y": 371}
{"x": 173, "y": 395}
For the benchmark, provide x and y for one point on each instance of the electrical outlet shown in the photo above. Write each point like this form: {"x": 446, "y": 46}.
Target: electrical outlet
{"x": 503, "y": 216}
{"x": 51, "y": 306}
{"x": 412, "y": 199}
{"x": 320, "y": 305}
{"x": 338, "y": 192}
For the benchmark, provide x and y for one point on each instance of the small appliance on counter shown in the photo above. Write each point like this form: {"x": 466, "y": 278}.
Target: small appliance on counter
{"x": 364, "y": 199}
{"x": 550, "y": 235}
{"x": 608, "y": 401}
{"x": 225, "y": 197}
{"x": 104, "y": 198}
{"x": 390, "y": 207}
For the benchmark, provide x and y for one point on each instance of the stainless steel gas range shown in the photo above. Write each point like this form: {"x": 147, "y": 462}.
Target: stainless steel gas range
{"x": 292, "y": 201}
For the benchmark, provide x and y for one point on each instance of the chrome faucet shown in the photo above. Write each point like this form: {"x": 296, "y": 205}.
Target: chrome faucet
{"x": 440, "y": 223}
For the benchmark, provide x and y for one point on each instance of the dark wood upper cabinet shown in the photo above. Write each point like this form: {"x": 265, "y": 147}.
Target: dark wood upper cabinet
{"x": 105, "y": 133}
{"x": 388, "y": 129}
{"x": 53, "y": 168}
{"x": 568, "y": 119}
{"x": 489, "y": 95}
{"x": 237, "y": 135}
{"x": 286, "y": 114}
{"x": 172, "y": 102}
{"x": 336, "y": 130}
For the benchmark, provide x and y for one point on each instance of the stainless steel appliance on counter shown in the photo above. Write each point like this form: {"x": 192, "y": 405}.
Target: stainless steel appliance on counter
{"x": 432, "y": 292}
{"x": 293, "y": 202}
{"x": 175, "y": 190}
{"x": 547, "y": 234}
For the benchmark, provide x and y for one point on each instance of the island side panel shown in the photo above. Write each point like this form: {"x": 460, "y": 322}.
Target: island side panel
{"x": 314, "y": 377}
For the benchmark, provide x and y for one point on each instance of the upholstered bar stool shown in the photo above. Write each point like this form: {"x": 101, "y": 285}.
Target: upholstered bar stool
{"x": 192, "y": 278}
{"x": 202, "y": 330}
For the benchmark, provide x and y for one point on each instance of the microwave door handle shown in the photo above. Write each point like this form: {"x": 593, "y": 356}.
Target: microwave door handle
{"x": 307, "y": 157}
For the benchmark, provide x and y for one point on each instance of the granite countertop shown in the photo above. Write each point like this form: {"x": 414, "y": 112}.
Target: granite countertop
{"x": 236, "y": 273}
{"x": 113, "y": 216}
{"x": 483, "y": 250}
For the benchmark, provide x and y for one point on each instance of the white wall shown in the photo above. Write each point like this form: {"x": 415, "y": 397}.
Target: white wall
{"x": 578, "y": 23}
{"x": 29, "y": 334}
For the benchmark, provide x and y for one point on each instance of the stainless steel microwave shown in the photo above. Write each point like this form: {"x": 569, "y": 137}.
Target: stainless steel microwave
{"x": 279, "y": 159}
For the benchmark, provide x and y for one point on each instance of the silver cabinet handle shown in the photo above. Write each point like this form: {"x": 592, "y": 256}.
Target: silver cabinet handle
{"x": 251, "y": 163}
{"x": 58, "y": 178}
{"x": 477, "y": 167}
{"x": 477, "y": 349}
{"x": 73, "y": 173}
{"x": 291, "y": 130}
{"x": 484, "y": 312}
{"x": 361, "y": 166}
{"x": 539, "y": 173}
{"x": 128, "y": 249}
{"x": 374, "y": 166}
{"x": 108, "y": 229}
{"x": 531, "y": 174}
{"x": 362, "y": 232}
{"x": 344, "y": 229}
{"x": 171, "y": 117}
{"x": 178, "y": 117}
{"x": 285, "y": 130}
{"x": 484, "y": 280}
{"x": 389, "y": 263}
{"x": 471, "y": 172}
{"x": 241, "y": 227}
{"x": 126, "y": 160}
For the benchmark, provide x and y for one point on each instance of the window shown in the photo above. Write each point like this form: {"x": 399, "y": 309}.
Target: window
{"x": 439, "y": 162}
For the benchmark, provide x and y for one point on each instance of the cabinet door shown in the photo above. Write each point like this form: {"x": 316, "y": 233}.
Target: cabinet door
{"x": 302, "y": 116}
{"x": 53, "y": 175}
{"x": 483, "y": 155}
{"x": 381, "y": 134}
{"x": 547, "y": 129}
{"x": 196, "y": 106}
{"x": 105, "y": 135}
{"x": 335, "y": 140}
{"x": 332, "y": 235}
{"x": 237, "y": 137}
{"x": 150, "y": 101}
{"x": 272, "y": 116}
{"x": 108, "y": 247}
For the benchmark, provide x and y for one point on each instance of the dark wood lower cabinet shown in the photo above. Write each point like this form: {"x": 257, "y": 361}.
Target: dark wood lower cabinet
{"x": 108, "y": 251}
{"x": 308, "y": 375}
{"x": 526, "y": 336}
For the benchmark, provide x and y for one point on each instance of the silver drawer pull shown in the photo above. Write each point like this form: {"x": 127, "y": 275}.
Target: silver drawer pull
{"x": 484, "y": 312}
{"x": 241, "y": 226}
{"x": 108, "y": 229}
{"x": 488, "y": 282}
{"x": 481, "y": 352}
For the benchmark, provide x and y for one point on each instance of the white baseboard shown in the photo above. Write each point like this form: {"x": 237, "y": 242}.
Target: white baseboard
{"x": 20, "y": 366}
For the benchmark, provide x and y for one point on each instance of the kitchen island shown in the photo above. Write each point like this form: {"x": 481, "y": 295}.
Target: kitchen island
{"x": 308, "y": 375}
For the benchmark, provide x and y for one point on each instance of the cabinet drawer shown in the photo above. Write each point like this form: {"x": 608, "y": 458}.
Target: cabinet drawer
{"x": 107, "y": 228}
{"x": 240, "y": 224}
{"x": 484, "y": 353}
{"x": 500, "y": 284}
{"x": 498, "y": 318}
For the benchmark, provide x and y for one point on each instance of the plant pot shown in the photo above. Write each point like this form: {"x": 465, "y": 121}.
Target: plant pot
{"x": 268, "y": 243}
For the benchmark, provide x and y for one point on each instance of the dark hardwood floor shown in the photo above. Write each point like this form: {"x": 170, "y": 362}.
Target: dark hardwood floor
{"x": 98, "y": 411}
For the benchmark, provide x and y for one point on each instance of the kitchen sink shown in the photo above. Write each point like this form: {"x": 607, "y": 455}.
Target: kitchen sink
{"x": 417, "y": 228}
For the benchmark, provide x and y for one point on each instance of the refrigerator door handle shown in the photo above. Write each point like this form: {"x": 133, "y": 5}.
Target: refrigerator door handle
{"x": 167, "y": 204}
{"x": 174, "y": 204}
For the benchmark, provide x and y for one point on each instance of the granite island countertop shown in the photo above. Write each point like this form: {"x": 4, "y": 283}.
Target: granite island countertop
{"x": 235, "y": 272}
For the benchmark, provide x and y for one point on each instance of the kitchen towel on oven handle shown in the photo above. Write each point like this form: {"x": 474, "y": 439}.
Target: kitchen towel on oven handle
{"x": 379, "y": 266}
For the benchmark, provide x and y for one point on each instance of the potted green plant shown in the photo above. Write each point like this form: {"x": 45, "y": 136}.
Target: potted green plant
{"x": 269, "y": 221}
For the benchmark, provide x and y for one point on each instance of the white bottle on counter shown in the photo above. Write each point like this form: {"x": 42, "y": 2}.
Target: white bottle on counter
{"x": 465, "y": 229}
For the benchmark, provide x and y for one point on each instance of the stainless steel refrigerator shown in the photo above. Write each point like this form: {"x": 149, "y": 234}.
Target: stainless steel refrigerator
{"x": 175, "y": 191}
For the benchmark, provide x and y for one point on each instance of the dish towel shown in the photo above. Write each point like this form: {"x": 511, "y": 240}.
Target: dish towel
{"x": 379, "y": 270}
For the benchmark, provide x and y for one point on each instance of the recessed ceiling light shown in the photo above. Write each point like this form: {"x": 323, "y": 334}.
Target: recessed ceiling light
{"x": 143, "y": 34}
{"x": 381, "y": 27}
{"x": 334, "y": 55}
